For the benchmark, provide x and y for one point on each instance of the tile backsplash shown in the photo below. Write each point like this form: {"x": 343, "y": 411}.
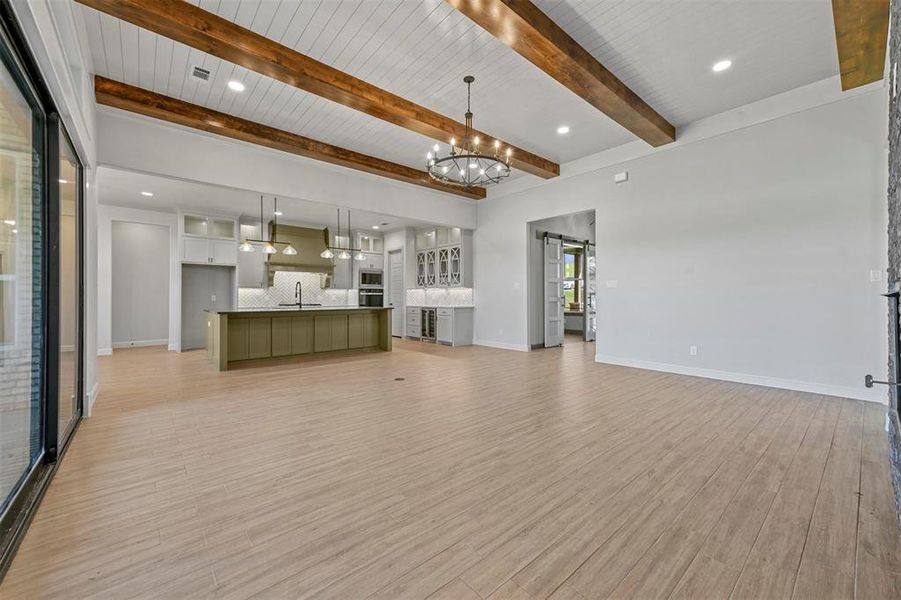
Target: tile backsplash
{"x": 282, "y": 290}
{"x": 439, "y": 297}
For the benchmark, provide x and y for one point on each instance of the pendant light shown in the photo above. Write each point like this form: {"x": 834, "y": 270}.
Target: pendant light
{"x": 359, "y": 253}
{"x": 327, "y": 253}
{"x": 288, "y": 249}
{"x": 342, "y": 252}
{"x": 246, "y": 246}
{"x": 269, "y": 246}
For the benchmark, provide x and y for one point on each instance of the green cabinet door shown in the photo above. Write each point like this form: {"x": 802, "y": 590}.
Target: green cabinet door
{"x": 237, "y": 339}
{"x": 339, "y": 332}
{"x": 355, "y": 331}
{"x": 281, "y": 336}
{"x": 302, "y": 335}
{"x": 370, "y": 330}
{"x": 259, "y": 338}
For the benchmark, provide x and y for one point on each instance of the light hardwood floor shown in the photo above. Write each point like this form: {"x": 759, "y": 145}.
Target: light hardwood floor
{"x": 482, "y": 474}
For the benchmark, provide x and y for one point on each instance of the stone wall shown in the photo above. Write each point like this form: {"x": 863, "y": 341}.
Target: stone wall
{"x": 894, "y": 227}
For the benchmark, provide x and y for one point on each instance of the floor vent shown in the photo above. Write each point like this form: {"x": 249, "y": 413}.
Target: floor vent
{"x": 201, "y": 73}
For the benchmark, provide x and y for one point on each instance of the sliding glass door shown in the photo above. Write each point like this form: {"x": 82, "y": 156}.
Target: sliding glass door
{"x": 41, "y": 298}
{"x": 21, "y": 280}
{"x": 69, "y": 209}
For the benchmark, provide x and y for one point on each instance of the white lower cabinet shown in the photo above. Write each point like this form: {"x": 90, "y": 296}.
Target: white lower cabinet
{"x": 454, "y": 325}
{"x": 414, "y": 323}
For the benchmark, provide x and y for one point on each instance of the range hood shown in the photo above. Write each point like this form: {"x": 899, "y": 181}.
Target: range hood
{"x": 309, "y": 244}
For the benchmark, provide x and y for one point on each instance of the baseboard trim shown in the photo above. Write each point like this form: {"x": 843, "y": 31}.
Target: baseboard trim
{"x": 140, "y": 343}
{"x": 862, "y": 393}
{"x": 502, "y": 345}
{"x": 104, "y": 351}
{"x": 174, "y": 348}
{"x": 92, "y": 398}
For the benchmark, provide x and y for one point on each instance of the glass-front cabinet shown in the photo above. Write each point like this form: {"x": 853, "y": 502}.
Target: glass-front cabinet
{"x": 209, "y": 227}
{"x": 442, "y": 256}
{"x": 208, "y": 239}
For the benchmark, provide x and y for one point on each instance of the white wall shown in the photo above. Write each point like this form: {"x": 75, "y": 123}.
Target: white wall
{"x": 106, "y": 216}
{"x": 755, "y": 245}
{"x": 147, "y": 145}
{"x": 140, "y": 266}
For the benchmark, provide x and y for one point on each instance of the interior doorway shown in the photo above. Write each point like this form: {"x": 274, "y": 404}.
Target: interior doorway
{"x": 396, "y": 290}
{"x": 562, "y": 280}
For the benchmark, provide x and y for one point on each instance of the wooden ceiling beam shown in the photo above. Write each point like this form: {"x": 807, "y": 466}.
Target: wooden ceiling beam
{"x": 185, "y": 23}
{"x": 150, "y": 104}
{"x": 532, "y": 34}
{"x": 861, "y": 36}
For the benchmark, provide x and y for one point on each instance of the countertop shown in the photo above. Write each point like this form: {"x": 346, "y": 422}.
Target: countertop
{"x": 440, "y": 306}
{"x": 238, "y": 311}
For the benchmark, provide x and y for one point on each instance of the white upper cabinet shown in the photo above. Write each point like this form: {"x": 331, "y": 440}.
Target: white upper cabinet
{"x": 443, "y": 257}
{"x": 208, "y": 240}
{"x": 370, "y": 243}
{"x": 208, "y": 227}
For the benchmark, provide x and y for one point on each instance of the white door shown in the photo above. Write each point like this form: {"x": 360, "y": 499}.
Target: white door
{"x": 396, "y": 293}
{"x": 553, "y": 292}
{"x": 195, "y": 250}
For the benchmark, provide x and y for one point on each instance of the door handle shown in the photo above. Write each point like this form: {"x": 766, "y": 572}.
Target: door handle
{"x": 869, "y": 381}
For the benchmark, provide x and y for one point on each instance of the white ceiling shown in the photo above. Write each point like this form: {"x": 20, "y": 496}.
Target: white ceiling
{"x": 123, "y": 188}
{"x": 421, "y": 49}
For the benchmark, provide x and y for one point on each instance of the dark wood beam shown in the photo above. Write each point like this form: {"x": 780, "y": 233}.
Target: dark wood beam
{"x": 523, "y": 27}
{"x": 185, "y": 23}
{"x": 861, "y": 35}
{"x": 150, "y": 104}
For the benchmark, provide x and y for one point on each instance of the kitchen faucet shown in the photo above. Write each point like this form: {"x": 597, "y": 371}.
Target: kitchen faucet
{"x": 298, "y": 293}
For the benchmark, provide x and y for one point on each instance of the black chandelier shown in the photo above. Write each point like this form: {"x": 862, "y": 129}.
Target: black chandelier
{"x": 466, "y": 165}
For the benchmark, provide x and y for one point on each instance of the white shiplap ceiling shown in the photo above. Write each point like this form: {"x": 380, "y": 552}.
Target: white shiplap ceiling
{"x": 421, "y": 49}
{"x": 118, "y": 187}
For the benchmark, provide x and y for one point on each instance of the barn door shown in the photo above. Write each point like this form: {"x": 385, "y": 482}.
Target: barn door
{"x": 553, "y": 292}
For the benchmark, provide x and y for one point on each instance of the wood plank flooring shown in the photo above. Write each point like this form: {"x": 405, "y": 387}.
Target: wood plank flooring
{"x": 461, "y": 473}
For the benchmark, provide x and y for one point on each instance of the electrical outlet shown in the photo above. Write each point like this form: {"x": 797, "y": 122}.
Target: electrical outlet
{"x": 213, "y": 298}
{"x": 875, "y": 275}
{"x": 693, "y": 350}
{"x": 621, "y": 177}
{"x": 612, "y": 283}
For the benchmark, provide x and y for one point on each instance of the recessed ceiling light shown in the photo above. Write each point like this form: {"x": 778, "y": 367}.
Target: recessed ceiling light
{"x": 375, "y": 226}
{"x": 722, "y": 65}
{"x": 148, "y": 194}
{"x": 563, "y": 129}
{"x": 236, "y": 85}
{"x": 64, "y": 181}
{"x": 278, "y": 213}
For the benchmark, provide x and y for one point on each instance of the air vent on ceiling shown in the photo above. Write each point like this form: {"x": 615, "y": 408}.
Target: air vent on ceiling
{"x": 201, "y": 73}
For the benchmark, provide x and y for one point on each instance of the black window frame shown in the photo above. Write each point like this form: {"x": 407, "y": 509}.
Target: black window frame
{"x": 17, "y": 511}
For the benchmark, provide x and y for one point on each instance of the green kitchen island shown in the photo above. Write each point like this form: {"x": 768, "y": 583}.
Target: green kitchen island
{"x": 257, "y": 335}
